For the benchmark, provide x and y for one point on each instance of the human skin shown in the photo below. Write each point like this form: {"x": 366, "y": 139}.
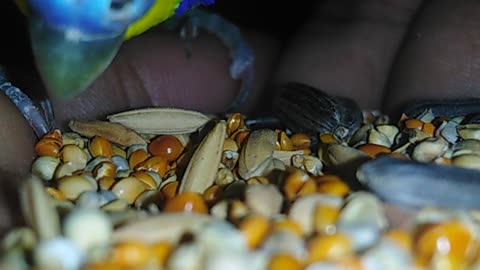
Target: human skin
{"x": 380, "y": 53}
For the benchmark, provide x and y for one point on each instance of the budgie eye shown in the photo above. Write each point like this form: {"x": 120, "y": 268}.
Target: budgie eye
{"x": 119, "y": 4}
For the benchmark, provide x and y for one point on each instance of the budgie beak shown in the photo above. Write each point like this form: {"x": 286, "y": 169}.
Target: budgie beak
{"x": 68, "y": 64}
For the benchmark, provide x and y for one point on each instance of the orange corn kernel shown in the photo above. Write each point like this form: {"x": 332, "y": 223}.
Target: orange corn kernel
{"x": 255, "y": 229}
{"x": 161, "y": 251}
{"x": 329, "y": 247}
{"x": 131, "y": 254}
{"x": 414, "y": 123}
{"x": 234, "y": 123}
{"x": 156, "y": 164}
{"x": 374, "y": 150}
{"x": 187, "y": 202}
{"x": 289, "y": 225}
{"x": 137, "y": 157}
{"x": 451, "y": 238}
{"x": 212, "y": 194}
{"x": 54, "y": 134}
{"x": 55, "y": 193}
{"x": 104, "y": 169}
{"x": 429, "y": 128}
{"x": 333, "y": 185}
{"x": 325, "y": 218}
{"x": 167, "y": 146}
{"x": 327, "y": 138}
{"x": 99, "y": 146}
{"x": 301, "y": 141}
{"x": 284, "y": 262}
{"x": 241, "y": 136}
{"x": 170, "y": 190}
{"x": 48, "y": 147}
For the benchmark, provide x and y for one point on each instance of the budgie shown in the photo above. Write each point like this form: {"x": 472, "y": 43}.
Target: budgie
{"x": 74, "y": 41}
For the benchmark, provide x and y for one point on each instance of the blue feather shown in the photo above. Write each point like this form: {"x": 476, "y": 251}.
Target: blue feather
{"x": 186, "y": 5}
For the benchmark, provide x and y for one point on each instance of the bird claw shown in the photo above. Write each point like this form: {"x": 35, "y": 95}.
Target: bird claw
{"x": 41, "y": 119}
{"x": 242, "y": 66}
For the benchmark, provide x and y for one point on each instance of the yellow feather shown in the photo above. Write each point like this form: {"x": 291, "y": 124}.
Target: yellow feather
{"x": 160, "y": 11}
{"x": 22, "y": 5}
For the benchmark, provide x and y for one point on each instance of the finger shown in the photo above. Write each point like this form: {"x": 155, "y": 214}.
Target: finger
{"x": 348, "y": 47}
{"x": 441, "y": 56}
{"x": 16, "y": 157}
{"x": 153, "y": 69}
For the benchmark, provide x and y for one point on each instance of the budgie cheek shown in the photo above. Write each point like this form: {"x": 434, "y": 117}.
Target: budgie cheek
{"x": 92, "y": 17}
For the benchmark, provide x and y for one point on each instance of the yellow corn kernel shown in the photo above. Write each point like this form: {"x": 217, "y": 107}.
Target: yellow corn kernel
{"x": 131, "y": 254}
{"x": 187, "y": 202}
{"x": 329, "y": 247}
{"x": 293, "y": 183}
{"x": 161, "y": 251}
{"x": 325, "y": 218}
{"x": 301, "y": 141}
{"x": 452, "y": 238}
{"x": 309, "y": 187}
{"x": 284, "y": 262}
{"x": 285, "y": 142}
{"x": 333, "y": 185}
{"x": 55, "y": 193}
{"x": 289, "y": 225}
{"x": 254, "y": 228}
{"x": 99, "y": 146}
{"x": 137, "y": 157}
{"x": 212, "y": 194}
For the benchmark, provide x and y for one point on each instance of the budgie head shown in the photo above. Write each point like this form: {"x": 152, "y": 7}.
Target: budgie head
{"x": 74, "y": 41}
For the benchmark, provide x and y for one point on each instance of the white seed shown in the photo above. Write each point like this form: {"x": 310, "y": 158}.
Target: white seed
{"x": 188, "y": 256}
{"x": 58, "y": 254}
{"x": 469, "y": 161}
{"x": 286, "y": 242}
{"x": 265, "y": 200}
{"x": 376, "y": 137}
{"x": 220, "y": 236}
{"x": 224, "y": 177}
{"x": 44, "y": 167}
{"x": 363, "y": 219}
{"x": 429, "y": 149}
{"x": 89, "y": 228}
{"x": 313, "y": 165}
{"x": 120, "y": 162}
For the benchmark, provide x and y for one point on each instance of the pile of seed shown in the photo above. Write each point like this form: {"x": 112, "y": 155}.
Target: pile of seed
{"x": 173, "y": 189}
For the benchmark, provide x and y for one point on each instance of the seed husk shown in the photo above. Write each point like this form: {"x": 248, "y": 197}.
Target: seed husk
{"x": 114, "y": 132}
{"x": 202, "y": 168}
{"x": 161, "y": 120}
